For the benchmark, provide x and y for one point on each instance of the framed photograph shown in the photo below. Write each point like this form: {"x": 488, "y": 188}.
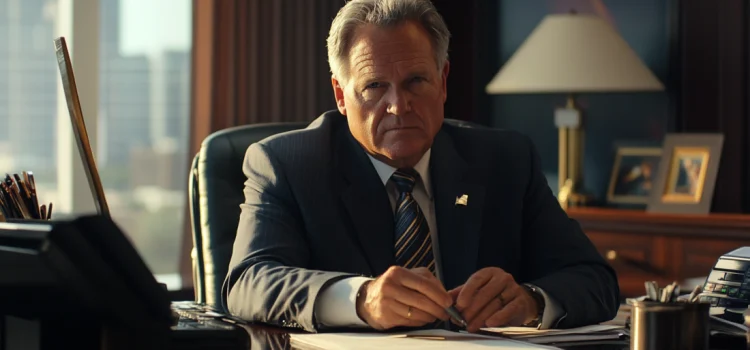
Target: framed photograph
{"x": 687, "y": 176}
{"x": 633, "y": 175}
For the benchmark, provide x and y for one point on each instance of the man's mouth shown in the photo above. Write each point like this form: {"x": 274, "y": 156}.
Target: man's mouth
{"x": 403, "y": 128}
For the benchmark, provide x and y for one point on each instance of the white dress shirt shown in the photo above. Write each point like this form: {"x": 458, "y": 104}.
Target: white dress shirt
{"x": 336, "y": 305}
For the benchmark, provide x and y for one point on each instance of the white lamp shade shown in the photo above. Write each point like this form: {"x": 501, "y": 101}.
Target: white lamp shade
{"x": 572, "y": 53}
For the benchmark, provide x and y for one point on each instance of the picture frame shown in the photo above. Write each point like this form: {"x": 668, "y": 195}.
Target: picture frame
{"x": 687, "y": 174}
{"x": 633, "y": 174}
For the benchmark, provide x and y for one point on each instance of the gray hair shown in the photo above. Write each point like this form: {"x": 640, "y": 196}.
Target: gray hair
{"x": 384, "y": 13}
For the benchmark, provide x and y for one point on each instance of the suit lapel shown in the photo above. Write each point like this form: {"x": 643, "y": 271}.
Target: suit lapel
{"x": 458, "y": 224}
{"x": 366, "y": 200}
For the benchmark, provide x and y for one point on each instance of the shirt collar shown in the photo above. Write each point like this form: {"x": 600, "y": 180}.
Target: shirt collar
{"x": 423, "y": 168}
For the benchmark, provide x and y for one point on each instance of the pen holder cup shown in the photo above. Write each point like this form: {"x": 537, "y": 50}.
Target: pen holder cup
{"x": 665, "y": 326}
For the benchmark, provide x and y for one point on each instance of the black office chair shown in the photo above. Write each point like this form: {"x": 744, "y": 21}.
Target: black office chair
{"x": 215, "y": 188}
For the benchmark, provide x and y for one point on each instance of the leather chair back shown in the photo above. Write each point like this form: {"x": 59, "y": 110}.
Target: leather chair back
{"x": 215, "y": 189}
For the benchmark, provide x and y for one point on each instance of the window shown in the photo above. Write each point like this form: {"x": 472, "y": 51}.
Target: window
{"x": 28, "y": 92}
{"x": 144, "y": 88}
{"x": 141, "y": 123}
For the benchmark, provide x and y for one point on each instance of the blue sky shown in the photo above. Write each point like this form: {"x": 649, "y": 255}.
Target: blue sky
{"x": 150, "y": 26}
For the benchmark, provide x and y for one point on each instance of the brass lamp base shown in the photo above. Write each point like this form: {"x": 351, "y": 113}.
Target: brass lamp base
{"x": 568, "y": 198}
{"x": 571, "y": 135}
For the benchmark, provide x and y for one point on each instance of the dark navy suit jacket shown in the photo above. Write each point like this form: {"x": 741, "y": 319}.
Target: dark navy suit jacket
{"x": 316, "y": 211}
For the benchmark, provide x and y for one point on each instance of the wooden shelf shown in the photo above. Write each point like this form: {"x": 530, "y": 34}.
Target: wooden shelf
{"x": 643, "y": 246}
{"x": 636, "y": 221}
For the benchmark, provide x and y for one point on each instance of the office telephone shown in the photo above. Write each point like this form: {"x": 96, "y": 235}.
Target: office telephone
{"x": 727, "y": 287}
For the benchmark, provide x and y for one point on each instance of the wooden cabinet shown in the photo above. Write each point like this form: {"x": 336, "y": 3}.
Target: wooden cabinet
{"x": 663, "y": 247}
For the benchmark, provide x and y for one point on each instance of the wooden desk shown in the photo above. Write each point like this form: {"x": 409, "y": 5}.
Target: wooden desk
{"x": 273, "y": 338}
{"x": 661, "y": 247}
{"x": 266, "y": 337}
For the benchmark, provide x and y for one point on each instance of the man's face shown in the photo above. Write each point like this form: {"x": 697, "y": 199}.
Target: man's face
{"x": 394, "y": 93}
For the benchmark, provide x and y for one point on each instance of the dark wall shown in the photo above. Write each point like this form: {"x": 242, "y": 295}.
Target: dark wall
{"x": 714, "y": 40}
{"x": 610, "y": 118}
{"x": 473, "y": 56}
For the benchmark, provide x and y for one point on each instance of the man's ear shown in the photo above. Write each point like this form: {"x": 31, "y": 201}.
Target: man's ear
{"x": 446, "y": 69}
{"x": 338, "y": 93}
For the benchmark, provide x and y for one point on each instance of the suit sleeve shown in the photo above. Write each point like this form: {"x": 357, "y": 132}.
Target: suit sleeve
{"x": 268, "y": 280}
{"x": 562, "y": 260}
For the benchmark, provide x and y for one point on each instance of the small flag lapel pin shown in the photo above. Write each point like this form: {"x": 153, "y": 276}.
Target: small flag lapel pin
{"x": 462, "y": 200}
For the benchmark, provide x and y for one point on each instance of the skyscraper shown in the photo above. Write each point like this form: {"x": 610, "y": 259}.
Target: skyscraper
{"x": 125, "y": 98}
{"x": 28, "y": 85}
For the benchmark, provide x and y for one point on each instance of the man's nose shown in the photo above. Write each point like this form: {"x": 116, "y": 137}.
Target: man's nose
{"x": 399, "y": 101}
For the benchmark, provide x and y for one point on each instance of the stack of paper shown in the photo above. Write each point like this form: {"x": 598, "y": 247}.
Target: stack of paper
{"x": 622, "y": 318}
{"x": 415, "y": 340}
{"x": 721, "y": 326}
{"x": 550, "y": 336}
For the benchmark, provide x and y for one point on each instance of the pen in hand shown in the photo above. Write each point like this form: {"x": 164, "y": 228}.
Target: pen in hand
{"x": 451, "y": 310}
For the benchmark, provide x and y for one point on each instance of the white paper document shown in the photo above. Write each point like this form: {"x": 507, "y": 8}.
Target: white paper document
{"x": 721, "y": 326}
{"x": 530, "y": 331}
{"x": 548, "y": 336}
{"x": 414, "y": 340}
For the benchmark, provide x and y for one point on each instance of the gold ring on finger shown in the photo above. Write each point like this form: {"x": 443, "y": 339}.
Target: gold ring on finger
{"x": 408, "y": 313}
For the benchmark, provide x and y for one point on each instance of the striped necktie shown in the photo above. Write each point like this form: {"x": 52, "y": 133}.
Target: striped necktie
{"x": 413, "y": 242}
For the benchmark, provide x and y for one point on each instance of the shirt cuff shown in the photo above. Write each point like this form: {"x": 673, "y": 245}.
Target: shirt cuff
{"x": 553, "y": 312}
{"x": 336, "y": 305}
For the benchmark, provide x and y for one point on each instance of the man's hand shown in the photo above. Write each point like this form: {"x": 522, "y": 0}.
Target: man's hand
{"x": 402, "y": 297}
{"x": 492, "y": 298}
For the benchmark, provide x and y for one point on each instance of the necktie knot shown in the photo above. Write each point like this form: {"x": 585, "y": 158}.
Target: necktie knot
{"x": 404, "y": 179}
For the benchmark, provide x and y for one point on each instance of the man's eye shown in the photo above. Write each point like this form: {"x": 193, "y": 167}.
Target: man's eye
{"x": 417, "y": 79}
{"x": 373, "y": 85}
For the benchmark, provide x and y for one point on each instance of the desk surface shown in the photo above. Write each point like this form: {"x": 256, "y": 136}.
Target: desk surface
{"x": 272, "y": 338}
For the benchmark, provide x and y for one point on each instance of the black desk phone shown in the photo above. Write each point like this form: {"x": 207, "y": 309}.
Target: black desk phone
{"x": 727, "y": 287}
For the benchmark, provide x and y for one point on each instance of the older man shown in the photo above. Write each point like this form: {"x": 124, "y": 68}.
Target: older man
{"x": 381, "y": 215}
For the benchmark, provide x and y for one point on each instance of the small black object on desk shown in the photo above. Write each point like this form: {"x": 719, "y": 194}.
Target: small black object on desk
{"x": 79, "y": 284}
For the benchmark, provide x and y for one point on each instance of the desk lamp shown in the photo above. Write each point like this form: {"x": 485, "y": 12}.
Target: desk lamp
{"x": 573, "y": 53}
